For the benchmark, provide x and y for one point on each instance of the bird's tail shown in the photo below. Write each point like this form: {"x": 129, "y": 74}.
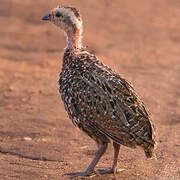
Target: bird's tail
{"x": 149, "y": 151}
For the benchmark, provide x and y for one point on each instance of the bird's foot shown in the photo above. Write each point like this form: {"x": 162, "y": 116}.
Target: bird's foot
{"x": 109, "y": 171}
{"x": 81, "y": 174}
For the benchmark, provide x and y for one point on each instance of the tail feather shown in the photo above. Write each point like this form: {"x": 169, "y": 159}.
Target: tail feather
{"x": 149, "y": 151}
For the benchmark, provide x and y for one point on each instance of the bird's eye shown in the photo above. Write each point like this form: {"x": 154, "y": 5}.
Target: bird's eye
{"x": 58, "y": 14}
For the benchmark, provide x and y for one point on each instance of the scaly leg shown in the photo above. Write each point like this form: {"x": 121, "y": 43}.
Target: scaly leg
{"x": 101, "y": 150}
{"x": 114, "y": 166}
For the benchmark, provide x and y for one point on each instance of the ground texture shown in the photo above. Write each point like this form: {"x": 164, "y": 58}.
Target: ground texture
{"x": 139, "y": 39}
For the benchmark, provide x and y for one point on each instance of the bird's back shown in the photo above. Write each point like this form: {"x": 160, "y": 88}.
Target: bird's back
{"x": 102, "y": 103}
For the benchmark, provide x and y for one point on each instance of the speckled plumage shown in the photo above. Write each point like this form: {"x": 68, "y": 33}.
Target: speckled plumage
{"x": 102, "y": 103}
{"x": 98, "y": 100}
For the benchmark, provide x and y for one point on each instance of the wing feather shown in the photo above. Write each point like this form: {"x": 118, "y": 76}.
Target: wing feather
{"x": 107, "y": 102}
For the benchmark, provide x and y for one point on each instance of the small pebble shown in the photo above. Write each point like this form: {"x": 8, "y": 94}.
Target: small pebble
{"x": 27, "y": 138}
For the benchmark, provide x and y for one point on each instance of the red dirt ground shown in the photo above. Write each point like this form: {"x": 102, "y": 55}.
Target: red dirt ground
{"x": 139, "y": 39}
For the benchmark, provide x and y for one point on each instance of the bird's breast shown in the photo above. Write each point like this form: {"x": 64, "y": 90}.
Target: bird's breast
{"x": 67, "y": 89}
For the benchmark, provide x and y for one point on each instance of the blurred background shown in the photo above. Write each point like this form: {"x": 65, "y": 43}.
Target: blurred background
{"x": 139, "y": 39}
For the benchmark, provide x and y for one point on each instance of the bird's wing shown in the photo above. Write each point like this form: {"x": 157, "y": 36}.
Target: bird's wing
{"x": 109, "y": 103}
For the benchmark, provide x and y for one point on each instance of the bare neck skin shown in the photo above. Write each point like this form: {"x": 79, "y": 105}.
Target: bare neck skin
{"x": 74, "y": 38}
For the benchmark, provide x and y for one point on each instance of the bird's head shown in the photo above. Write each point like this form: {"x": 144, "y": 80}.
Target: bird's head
{"x": 67, "y": 18}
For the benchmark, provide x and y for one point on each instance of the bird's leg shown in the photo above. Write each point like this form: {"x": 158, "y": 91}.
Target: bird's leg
{"x": 101, "y": 150}
{"x": 114, "y": 166}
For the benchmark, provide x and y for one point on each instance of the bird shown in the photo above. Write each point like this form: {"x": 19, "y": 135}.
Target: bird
{"x": 98, "y": 100}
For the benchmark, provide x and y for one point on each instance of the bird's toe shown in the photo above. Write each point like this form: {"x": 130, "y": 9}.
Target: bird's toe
{"x": 110, "y": 171}
{"x": 81, "y": 174}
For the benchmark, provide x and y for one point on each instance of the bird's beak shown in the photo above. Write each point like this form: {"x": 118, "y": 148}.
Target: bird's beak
{"x": 46, "y": 17}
